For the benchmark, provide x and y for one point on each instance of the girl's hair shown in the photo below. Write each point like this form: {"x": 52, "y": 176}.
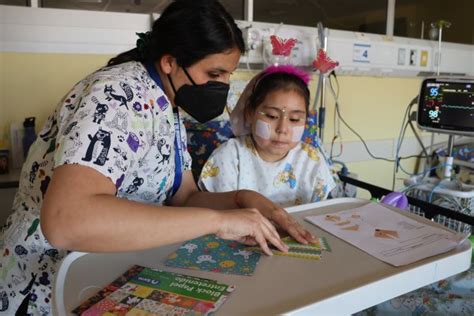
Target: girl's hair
{"x": 276, "y": 81}
{"x": 188, "y": 30}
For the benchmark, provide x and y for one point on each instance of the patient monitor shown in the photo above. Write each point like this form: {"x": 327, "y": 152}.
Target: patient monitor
{"x": 446, "y": 105}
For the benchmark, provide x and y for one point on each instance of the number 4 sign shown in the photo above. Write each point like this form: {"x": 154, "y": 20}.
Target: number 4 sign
{"x": 361, "y": 53}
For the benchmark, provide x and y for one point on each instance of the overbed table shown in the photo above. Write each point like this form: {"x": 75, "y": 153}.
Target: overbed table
{"x": 344, "y": 281}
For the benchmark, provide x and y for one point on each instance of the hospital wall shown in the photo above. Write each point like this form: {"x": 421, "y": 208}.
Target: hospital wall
{"x": 32, "y": 84}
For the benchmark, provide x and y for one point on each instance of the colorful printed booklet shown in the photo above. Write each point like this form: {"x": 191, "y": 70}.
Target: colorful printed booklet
{"x": 211, "y": 253}
{"x": 145, "y": 291}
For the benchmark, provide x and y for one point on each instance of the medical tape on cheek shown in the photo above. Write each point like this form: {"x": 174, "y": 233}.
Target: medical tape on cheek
{"x": 263, "y": 129}
{"x": 297, "y": 132}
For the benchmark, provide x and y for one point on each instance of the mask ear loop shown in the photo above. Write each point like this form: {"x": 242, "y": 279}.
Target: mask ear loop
{"x": 189, "y": 77}
{"x": 171, "y": 83}
{"x": 172, "y": 87}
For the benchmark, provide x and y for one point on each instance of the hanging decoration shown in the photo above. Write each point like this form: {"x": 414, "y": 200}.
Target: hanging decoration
{"x": 323, "y": 63}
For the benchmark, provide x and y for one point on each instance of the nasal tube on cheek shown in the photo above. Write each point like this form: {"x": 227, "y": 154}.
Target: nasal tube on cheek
{"x": 263, "y": 129}
{"x": 297, "y": 133}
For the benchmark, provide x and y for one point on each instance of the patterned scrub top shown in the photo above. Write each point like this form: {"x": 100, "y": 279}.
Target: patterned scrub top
{"x": 303, "y": 176}
{"x": 117, "y": 121}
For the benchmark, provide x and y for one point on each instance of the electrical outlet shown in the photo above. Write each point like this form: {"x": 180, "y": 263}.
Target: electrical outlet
{"x": 413, "y": 57}
{"x": 402, "y": 52}
{"x": 424, "y": 58}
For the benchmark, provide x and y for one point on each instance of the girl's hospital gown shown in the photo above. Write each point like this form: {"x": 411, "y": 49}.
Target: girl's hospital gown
{"x": 116, "y": 121}
{"x": 302, "y": 176}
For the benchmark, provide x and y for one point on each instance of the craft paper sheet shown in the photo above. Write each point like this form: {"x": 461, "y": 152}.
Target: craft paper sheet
{"x": 210, "y": 253}
{"x": 310, "y": 251}
{"x": 386, "y": 234}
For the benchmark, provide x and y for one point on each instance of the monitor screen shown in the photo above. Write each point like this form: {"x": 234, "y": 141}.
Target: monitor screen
{"x": 446, "y": 105}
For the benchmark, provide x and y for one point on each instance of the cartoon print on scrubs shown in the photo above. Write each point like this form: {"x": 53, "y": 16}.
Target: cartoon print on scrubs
{"x": 110, "y": 92}
{"x": 103, "y": 137}
{"x": 303, "y": 176}
{"x": 119, "y": 122}
{"x": 117, "y": 135}
{"x": 100, "y": 111}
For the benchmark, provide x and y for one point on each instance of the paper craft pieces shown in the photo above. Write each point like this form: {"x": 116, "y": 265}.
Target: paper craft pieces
{"x": 332, "y": 218}
{"x": 297, "y": 253}
{"x": 320, "y": 243}
{"x": 297, "y": 250}
{"x": 145, "y": 291}
{"x": 353, "y": 228}
{"x": 385, "y": 233}
{"x": 210, "y": 253}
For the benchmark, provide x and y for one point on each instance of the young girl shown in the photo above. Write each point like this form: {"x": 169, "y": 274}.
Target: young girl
{"x": 268, "y": 156}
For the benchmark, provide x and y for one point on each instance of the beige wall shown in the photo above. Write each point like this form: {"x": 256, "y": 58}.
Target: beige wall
{"x": 32, "y": 84}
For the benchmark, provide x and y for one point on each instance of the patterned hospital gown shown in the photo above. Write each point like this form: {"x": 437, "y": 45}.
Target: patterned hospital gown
{"x": 116, "y": 121}
{"x": 303, "y": 176}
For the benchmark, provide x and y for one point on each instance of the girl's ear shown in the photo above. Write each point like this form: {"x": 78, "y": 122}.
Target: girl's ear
{"x": 167, "y": 63}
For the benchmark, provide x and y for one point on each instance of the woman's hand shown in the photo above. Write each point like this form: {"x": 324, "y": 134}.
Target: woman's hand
{"x": 276, "y": 214}
{"x": 249, "y": 227}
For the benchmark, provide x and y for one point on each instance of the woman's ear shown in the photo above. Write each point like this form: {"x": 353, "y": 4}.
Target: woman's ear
{"x": 167, "y": 63}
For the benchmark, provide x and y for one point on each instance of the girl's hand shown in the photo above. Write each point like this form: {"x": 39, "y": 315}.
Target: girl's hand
{"x": 249, "y": 227}
{"x": 276, "y": 214}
